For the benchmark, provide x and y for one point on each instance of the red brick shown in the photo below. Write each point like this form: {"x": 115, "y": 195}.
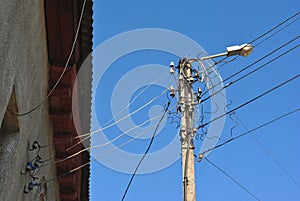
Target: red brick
{"x": 61, "y": 117}
{"x": 62, "y": 91}
{"x": 55, "y": 73}
{"x": 73, "y": 73}
{"x": 69, "y": 126}
{"x": 55, "y": 102}
{"x": 67, "y": 103}
{"x": 58, "y": 126}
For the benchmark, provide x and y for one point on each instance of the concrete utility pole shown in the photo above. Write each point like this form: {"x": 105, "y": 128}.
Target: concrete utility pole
{"x": 187, "y": 105}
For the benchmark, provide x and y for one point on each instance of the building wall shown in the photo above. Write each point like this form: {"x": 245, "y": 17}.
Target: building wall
{"x": 69, "y": 106}
{"x": 24, "y": 70}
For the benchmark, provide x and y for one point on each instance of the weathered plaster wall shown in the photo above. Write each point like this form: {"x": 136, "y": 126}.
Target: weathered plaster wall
{"x": 23, "y": 65}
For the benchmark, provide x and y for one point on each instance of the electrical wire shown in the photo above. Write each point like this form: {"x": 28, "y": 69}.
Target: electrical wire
{"x": 114, "y": 123}
{"x": 138, "y": 95}
{"x": 264, "y": 34}
{"x": 88, "y": 148}
{"x": 123, "y": 118}
{"x": 109, "y": 142}
{"x": 106, "y": 153}
{"x": 204, "y": 130}
{"x": 63, "y": 72}
{"x": 234, "y": 180}
{"x": 249, "y": 131}
{"x": 111, "y": 151}
{"x": 77, "y": 153}
{"x": 98, "y": 130}
{"x": 255, "y": 62}
{"x": 269, "y": 153}
{"x": 246, "y": 75}
{"x": 146, "y": 152}
{"x": 235, "y": 124}
{"x": 253, "y": 99}
{"x": 251, "y": 72}
{"x": 200, "y": 62}
{"x": 173, "y": 121}
{"x": 277, "y": 32}
{"x": 104, "y": 144}
{"x": 275, "y": 27}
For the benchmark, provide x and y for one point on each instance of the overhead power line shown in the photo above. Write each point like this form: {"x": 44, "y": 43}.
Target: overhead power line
{"x": 275, "y": 27}
{"x": 118, "y": 121}
{"x": 251, "y": 72}
{"x": 135, "y": 98}
{"x": 255, "y": 62}
{"x": 267, "y": 55}
{"x": 123, "y": 118}
{"x": 100, "y": 145}
{"x": 264, "y": 34}
{"x": 276, "y": 32}
{"x": 249, "y": 131}
{"x": 146, "y": 152}
{"x": 107, "y": 126}
{"x": 234, "y": 180}
{"x": 108, "y": 152}
{"x": 106, "y": 143}
{"x": 250, "y": 101}
{"x": 277, "y": 162}
{"x": 109, "y": 142}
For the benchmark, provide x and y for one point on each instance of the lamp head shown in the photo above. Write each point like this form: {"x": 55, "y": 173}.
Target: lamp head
{"x": 246, "y": 50}
{"x": 243, "y": 50}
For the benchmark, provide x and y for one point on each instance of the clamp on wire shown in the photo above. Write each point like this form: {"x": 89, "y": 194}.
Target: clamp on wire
{"x": 32, "y": 166}
{"x": 30, "y": 186}
{"x": 36, "y": 145}
{"x": 201, "y": 156}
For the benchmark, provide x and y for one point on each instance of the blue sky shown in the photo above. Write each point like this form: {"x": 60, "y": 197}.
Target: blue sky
{"x": 214, "y": 25}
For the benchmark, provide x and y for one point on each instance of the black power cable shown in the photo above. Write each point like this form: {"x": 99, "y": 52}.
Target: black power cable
{"x": 234, "y": 180}
{"x": 249, "y": 131}
{"x": 146, "y": 152}
{"x": 276, "y": 32}
{"x": 281, "y": 23}
{"x": 255, "y": 62}
{"x": 277, "y": 162}
{"x": 253, "y": 71}
{"x": 264, "y": 34}
{"x": 253, "y": 99}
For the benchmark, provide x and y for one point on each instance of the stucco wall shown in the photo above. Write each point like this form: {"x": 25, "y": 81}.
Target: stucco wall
{"x": 23, "y": 64}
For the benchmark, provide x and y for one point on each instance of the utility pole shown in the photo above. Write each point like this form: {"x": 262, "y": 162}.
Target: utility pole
{"x": 187, "y": 105}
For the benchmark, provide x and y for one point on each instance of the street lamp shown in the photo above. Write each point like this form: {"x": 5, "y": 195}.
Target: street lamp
{"x": 242, "y": 50}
